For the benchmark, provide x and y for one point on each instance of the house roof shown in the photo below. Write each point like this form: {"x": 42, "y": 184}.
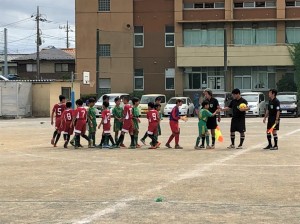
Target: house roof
{"x": 11, "y": 57}
{"x": 70, "y": 51}
{"x": 48, "y": 54}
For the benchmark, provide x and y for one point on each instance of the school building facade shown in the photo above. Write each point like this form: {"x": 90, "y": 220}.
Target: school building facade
{"x": 176, "y": 47}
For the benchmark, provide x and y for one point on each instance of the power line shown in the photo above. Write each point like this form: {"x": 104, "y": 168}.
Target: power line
{"x": 20, "y": 21}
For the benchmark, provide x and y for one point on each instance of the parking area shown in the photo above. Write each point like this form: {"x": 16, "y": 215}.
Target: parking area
{"x": 42, "y": 184}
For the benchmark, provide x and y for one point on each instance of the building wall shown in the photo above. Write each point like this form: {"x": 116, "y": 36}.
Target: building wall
{"x": 114, "y": 31}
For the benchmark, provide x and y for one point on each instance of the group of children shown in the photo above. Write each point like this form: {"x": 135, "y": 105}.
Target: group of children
{"x": 126, "y": 120}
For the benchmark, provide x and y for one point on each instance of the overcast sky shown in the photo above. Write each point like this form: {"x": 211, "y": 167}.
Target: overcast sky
{"x": 15, "y": 15}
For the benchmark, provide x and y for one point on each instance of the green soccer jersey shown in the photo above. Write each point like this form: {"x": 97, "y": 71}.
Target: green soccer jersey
{"x": 204, "y": 114}
{"x": 117, "y": 112}
{"x": 92, "y": 123}
{"x": 136, "y": 114}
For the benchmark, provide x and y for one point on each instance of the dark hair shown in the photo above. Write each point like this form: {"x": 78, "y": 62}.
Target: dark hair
{"x": 135, "y": 100}
{"x": 157, "y": 99}
{"x": 68, "y": 104}
{"x": 151, "y": 104}
{"x": 208, "y": 91}
{"x": 274, "y": 91}
{"x": 178, "y": 101}
{"x": 126, "y": 98}
{"x": 106, "y": 104}
{"x": 204, "y": 103}
{"x": 117, "y": 99}
{"x": 92, "y": 100}
{"x": 79, "y": 102}
{"x": 61, "y": 98}
{"x": 236, "y": 91}
{"x": 105, "y": 97}
{"x": 157, "y": 105}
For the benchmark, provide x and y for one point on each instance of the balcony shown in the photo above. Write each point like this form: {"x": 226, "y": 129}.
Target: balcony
{"x": 237, "y": 56}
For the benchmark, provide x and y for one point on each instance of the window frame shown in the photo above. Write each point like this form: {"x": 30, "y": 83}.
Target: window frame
{"x": 105, "y": 8}
{"x": 104, "y": 52}
{"x": 170, "y": 74}
{"x": 33, "y": 67}
{"x": 167, "y": 33}
{"x": 61, "y": 67}
{"x": 139, "y": 34}
{"x": 136, "y": 76}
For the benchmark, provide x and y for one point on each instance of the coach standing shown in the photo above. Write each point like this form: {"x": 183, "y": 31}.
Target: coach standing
{"x": 212, "y": 121}
{"x": 238, "y": 121}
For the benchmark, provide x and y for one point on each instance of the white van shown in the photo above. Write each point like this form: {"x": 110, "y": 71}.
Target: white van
{"x": 256, "y": 102}
{"x": 112, "y": 104}
{"x": 143, "y": 107}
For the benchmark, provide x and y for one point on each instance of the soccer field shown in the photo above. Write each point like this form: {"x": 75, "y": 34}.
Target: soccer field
{"x": 42, "y": 184}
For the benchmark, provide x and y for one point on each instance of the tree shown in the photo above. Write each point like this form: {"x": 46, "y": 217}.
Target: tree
{"x": 295, "y": 55}
{"x": 287, "y": 83}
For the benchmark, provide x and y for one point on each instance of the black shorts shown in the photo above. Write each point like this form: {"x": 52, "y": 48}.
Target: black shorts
{"x": 271, "y": 122}
{"x": 211, "y": 123}
{"x": 238, "y": 124}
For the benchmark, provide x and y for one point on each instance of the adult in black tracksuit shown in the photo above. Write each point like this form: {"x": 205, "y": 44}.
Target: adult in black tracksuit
{"x": 273, "y": 115}
{"x": 212, "y": 121}
{"x": 238, "y": 121}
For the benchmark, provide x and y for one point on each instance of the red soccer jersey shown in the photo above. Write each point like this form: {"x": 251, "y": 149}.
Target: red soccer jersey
{"x": 58, "y": 109}
{"x": 80, "y": 113}
{"x": 106, "y": 120}
{"x": 153, "y": 116}
{"x": 127, "y": 112}
{"x": 67, "y": 115}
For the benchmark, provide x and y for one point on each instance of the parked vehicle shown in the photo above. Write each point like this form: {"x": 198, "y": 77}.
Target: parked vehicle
{"x": 289, "y": 103}
{"x": 3, "y": 78}
{"x": 224, "y": 99}
{"x": 256, "y": 102}
{"x": 151, "y": 98}
{"x": 187, "y": 107}
{"x": 112, "y": 96}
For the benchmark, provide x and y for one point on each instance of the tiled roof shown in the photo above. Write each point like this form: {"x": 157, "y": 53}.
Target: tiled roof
{"x": 70, "y": 51}
{"x": 11, "y": 57}
{"x": 48, "y": 54}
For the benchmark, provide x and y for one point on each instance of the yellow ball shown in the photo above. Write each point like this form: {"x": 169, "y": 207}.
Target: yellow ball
{"x": 243, "y": 106}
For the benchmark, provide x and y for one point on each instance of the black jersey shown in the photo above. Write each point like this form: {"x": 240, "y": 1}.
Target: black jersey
{"x": 234, "y": 104}
{"x": 213, "y": 104}
{"x": 273, "y": 107}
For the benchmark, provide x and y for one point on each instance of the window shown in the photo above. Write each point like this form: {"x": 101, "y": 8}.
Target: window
{"x": 238, "y": 5}
{"x": 249, "y": 4}
{"x": 297, "y": 3}
{"x": 289, "y": 3}
{"x": 209, "y": 5}
{"x": 61, "y": 67}
{"x": 138, "y": 36}
{"x": 138, "y": 79}
{"x": 104, "y": 50}
{"x": 292, "y": 35}
{"x": 260, "y": 4}
{"x": 215, "y": 78}
{"x": 169, "y": 36}
{"x": 270, "y": 4}
{"x": 219, "y": 5}
{"x": 188, "y": 5}
{"x": 203, "y": 37}
{"x": 104, "y": 5}
{"x": 104, "y": 86}
{"x": 252, "y": 36}
{"x": 66, "y": 91}
{"x": 31, "y": 67}
{"x": 199, "y": 5}
{"x": 170, "y": 78}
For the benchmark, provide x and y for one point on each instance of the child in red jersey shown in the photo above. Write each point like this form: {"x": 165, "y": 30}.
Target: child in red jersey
{"x": 66, "y": 124}
{"x": 106, "y": 136}
{"x": 58, "y": 109}
{"x": 174, "y": 120}
{"x": 153, "y": 119}
{"x": 80, "y": 116}
{"x": 127, "y": 123}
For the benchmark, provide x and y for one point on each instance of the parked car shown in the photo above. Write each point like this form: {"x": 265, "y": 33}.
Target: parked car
{"x": 151, "y": 98}
{"x": 187, "y": 107}
{"x": 112, "y": 96}
{"x": 289, "y": 103}
{"x": 3, "y": 78}
{"x": 256, "y": 102}
{"x": 224, "y": 99}
{"x": 12, "y": 77}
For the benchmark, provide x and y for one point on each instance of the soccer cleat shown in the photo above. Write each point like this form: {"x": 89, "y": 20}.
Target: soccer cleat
{"x": 197, "y": 147}
{"x": 105, "y": 146}
{"x": 132, "y": 147}
{"x": 52, "y": 141}
{"x": 76, "y": 147}
{"x": 212, "y": 147}
{"x": 168, "y": 146}
{"x": 157, "y": 145}
{"x": 231, "y": 147}
{"x": 208, "y": 147}
{"x": 138, "y": 146}
{"x": 81, "y": 146}
{"x": 123, "y": 146}
{"x": 99, "y": 146}
{"x": 72, "y": 143}
{"x": 274, "y": 148}
{"x": 143, "y": 141}
{"x": 152, "y": 147}
{"x": 178, "y": 147}
{"x": 239, "y": 147}
{"x": 201, "y": 147}
{"x": 91, "y": 146}
{"x": 54, "y": 145}
{"x": 268, "y": 147}
{"x": 66, "y": 145}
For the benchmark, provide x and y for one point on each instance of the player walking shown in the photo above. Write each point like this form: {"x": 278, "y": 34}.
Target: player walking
{"x": 58, "y": 109}
{"x": 153, "y": 121}
{"x": 66, "y": 123}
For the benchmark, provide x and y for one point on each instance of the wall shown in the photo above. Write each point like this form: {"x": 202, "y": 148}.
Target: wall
{"x": 16, "y": 99}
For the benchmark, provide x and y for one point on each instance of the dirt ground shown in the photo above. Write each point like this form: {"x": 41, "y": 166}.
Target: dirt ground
{"x": 42, "y": 184}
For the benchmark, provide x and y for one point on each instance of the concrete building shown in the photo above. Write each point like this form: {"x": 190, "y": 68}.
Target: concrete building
{"x": 176, "y": 47}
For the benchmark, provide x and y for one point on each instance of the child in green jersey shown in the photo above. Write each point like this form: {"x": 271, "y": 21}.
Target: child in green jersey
{"x": 136, "y": 120}
{"x": 204, "y": 113}
{"x": 92, "y": 123}
{"x": 117, "y": 113}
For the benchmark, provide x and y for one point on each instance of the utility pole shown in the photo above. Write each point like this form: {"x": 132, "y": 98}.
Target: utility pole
{"x": 38, "y": 43}
{"x": 97, "y": 62}
{"x": 5, "y": 53}
{"x": 67, "y": 29}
